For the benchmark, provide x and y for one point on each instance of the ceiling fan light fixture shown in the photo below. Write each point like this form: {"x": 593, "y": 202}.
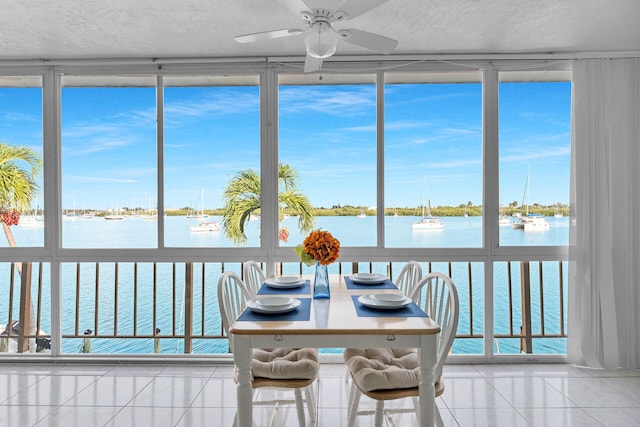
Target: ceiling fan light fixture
{"x": 321, "y": 42}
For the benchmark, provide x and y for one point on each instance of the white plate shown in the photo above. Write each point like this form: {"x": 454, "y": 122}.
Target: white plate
{"x": 283, "y": 280}
{"x": 394, "y": 298}
{"x": 274, "y": 302}
{"x": 370, "y": 302}
{"x": 368, "y": 278}
{"x": 258, "y": 308}
{"x": 273, "y": 283}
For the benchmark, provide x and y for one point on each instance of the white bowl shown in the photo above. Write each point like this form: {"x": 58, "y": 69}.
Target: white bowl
{"x": 390, "y": 298}
{"x": 273, "y": 302}
{"x": 287, "y": 279}
{"x": 366, "y": 276}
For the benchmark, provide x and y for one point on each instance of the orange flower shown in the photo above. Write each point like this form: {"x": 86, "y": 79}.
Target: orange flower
{"x": 322, "y": 246}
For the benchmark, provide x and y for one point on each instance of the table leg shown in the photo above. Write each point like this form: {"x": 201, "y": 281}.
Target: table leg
{"x": 428, "y": 357}
{"x": 242, "y": 359}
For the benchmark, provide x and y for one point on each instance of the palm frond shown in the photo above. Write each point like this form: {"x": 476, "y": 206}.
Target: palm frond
{"x": 18, "y": 184}
{"x": 242, "y": 198}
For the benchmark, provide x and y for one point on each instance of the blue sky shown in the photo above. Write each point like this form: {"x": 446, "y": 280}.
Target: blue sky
{"x": 433, "y": 142}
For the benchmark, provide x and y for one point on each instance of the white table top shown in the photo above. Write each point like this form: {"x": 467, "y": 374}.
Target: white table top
{"x": 338, "y": 316}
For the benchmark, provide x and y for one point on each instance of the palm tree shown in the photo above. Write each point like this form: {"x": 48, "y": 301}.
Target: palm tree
{"x": 242, "y": 197}
{"x": 17, "y": 189}
{"x": 17, "y": 184}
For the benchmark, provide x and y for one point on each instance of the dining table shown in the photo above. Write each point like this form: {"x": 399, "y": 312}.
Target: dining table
{"x": 337, "y": 322}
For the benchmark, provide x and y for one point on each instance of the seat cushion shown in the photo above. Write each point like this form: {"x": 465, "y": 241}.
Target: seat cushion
{"x": 285, "y": 363}
{"x": 383, "y": 368}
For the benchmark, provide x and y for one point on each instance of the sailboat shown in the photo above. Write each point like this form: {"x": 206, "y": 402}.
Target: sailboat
{"x": 204, "y": 226}
{"x": 32, "y": 221}
{"x": 427, "y": 222}
{"x": 529, "y": 221}
{"x": 199, "y": 214}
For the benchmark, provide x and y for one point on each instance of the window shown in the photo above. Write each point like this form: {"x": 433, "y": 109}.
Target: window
{"x": 108, "y": 160}
{"x": 211, "y": 134}
{"x": 327, "y": 134}
{"x": 433, "y": 160}
{"x": 534, "y": 134}
{"x": 21, "y": 129}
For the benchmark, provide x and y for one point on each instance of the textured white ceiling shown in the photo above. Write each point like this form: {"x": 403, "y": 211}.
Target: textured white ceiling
{"x": 83, "y": 29}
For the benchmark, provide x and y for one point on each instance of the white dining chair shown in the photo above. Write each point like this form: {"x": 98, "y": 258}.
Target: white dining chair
{"x": 282, "y": 368}
{"x": 406, "y": 282}
{"x": 387, "y": 373}
{"x": 253, "y": 277}
{"x": 409, "y": 277}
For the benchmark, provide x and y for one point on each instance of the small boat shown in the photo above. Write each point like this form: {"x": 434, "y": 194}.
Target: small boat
{"x": 198, "y": 214}
{"x": 529, "y": 221}
{"x": 206, "y": 226}
{"x": 535, "y": 223}
{"x": 427, "y": 222}
{"x": 557, "y": 215}
{"x": 504, "y": 220}
{"x": 532, "y": 222}
{"x": 361, "y": 214}
{"x": 31, "y": 221}
{"x": 114, "y": 217}
{"x": 34, "y": 220}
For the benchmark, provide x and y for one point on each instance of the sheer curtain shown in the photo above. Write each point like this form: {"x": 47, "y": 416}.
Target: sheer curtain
{"x": 604, "y": 322}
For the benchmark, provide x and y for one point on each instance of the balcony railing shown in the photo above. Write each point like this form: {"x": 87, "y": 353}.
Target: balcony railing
{"x": 154, "y": 307}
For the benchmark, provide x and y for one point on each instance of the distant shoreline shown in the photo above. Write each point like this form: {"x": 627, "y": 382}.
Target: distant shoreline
{"x": 440, "y": 211}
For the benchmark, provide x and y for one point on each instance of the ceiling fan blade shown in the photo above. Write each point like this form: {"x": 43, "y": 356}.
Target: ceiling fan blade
{"x": 354, "y": 8}
{"x": 369, "y": 40}
{"x": 267, "y": 35}
{"x": 312, "y": 64}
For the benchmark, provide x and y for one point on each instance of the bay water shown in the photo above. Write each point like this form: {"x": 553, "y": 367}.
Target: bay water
{"x": 134, "y": 232}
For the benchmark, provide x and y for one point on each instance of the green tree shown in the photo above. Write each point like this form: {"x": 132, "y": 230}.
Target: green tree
{"x": 242, "y": 198}
{"x": 19, "y": 167}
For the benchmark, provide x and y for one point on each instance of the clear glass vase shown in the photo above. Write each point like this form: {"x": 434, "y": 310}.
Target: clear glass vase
{"x": 321, "y": 282}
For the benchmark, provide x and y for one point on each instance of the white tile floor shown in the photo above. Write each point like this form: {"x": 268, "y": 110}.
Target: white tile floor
{"x": 169, "y": 395}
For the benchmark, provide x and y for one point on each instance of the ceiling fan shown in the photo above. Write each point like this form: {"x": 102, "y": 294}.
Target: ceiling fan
{"x": 321, "y": 38}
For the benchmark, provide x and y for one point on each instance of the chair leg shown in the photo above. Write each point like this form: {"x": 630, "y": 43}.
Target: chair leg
{"x": 300, "y": 407}
{"x": 354, "y": 401}
{"x": 379, "y": 413}
{"x": 311, "y": 403}
{"x": 438, "y": 418}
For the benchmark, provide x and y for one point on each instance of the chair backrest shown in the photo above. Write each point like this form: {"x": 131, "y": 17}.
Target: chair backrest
{"x": 409, "y": 277}
{"x": 253, "y": 277}
{"x": 232, "y": 299}
{"x": 437, "y": 295}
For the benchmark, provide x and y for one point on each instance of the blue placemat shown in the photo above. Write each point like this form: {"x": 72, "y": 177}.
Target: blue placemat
{"x": 303, "y": 313}
{"x": 302, "y": 290}
{"x": 387, "y": 284}
{"x": 412, "y": 310}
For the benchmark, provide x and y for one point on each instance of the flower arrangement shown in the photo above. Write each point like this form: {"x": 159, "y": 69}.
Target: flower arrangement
{"x": 319, "y": 246}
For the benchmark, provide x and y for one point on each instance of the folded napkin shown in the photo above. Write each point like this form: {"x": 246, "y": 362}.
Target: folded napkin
{"x": 302, "y": 290}
{"x": 300, "y": 313}
{"x": 411, "y": 310}
{"x": 387, "y": 284}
